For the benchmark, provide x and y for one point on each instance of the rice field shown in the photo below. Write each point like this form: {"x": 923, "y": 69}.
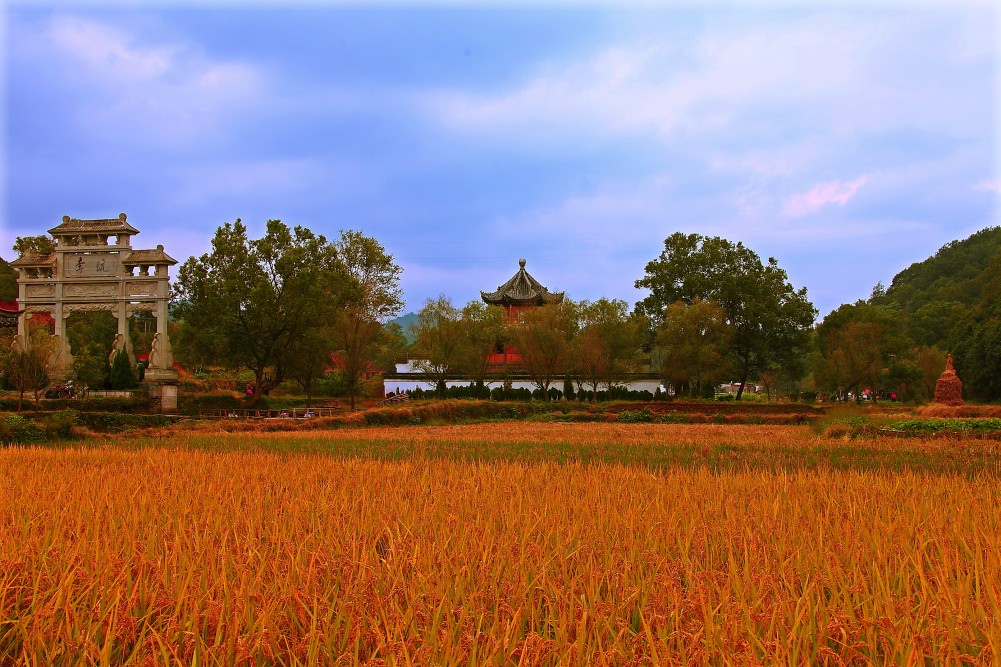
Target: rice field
{"x": 502, "y": 544}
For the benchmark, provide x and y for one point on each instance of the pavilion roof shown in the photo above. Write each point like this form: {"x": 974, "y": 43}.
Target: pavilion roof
{"x": 29, "y": 259}
{"x": 111, "y": 225}
{"x": 522, "y": 289}
{"x": 157, "y": 256}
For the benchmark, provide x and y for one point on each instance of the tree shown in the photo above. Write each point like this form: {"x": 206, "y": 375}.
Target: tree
{"x": 695, "y": 343}
{"x": 859, "y": 344}
{"x": 770, "y": 320}
{"x": 545, "y": 341}
{"x": 313, "y": 360}
{"x": 25, "y": 370}
{"x": 41, "y": 244}
{"x": 439, "y": 336}
{"x": 606, "y": 342}
{"x": 90, "y": 365}
{"x": 249, "y": 303}
{"x": 122, "y": 376}
{"x": 483, "y": 325}
{"x": 372, "y": 296}
{"x": 8, "y": 282}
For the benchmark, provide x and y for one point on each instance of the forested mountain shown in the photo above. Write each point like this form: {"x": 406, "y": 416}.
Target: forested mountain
{"x": 952, "y": 300}
{"x": 8, "y": 282}
{"x": 406, "y": 322}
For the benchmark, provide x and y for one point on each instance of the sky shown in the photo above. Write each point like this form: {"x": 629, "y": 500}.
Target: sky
{"x": 847, "y": 140}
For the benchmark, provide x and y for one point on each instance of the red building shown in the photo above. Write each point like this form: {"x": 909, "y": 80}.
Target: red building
{"x": 522, "y": 292}
{"x": 8, "y": 316}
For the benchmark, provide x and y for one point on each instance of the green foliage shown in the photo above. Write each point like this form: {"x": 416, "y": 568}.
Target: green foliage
{"x": 770, "y": 319}
{"x": 545, "y": 340}
{"x": 439, "y": 337}
{"x": 606, "y": 342}
{"x": 695, "y": 346}
{"x": 41, "y": 244}
{"x": 568, "y": 391}
{"x": 634, "y": 416}
{"x": 8, "y": 282}
{"x": 117, "y": 422}
{"x": 59, "y": 425}
{"x": 249, "y": 303}
{"x": 122, "y": 376}
{"x": 25, "y": 370}
{"x": 484, "y": 328}
{"x": 207, "y": 402}
{"x": 90, "y": 366}
{"x": 959, "y": 273}
{"x": 100, "y": 404}
{"x": 372, "y": 294}
{"x": 959, "y": 427}
{"x": 16, "y": 430}
{"x": 949, "y": 302}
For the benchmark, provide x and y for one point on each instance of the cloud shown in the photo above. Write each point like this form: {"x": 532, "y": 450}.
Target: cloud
{"x": 120, "y": 81}
{"x": 833, "y": 73}
{"x": 989, "y": 186}
{"x": 823, "y": 195}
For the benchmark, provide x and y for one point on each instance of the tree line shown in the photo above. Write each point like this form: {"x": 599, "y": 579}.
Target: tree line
{"x": 291, "y": 305}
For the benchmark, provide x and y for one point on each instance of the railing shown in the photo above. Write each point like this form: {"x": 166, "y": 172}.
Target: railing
{"x": 290, "y": 413}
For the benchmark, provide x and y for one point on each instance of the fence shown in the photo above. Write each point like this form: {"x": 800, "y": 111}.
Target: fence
{"x": 289, "y": 413}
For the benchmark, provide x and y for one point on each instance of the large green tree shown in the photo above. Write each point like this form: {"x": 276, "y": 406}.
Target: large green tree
{"x": 250, "y": 302}
{"x": 862, "y": 345}
{"x": 372, "y": 296}
{"x": 545, "y": 341}
{"x": 694, "y": 344}
{"x": 439, "y": 341}
{"x": 770, "y": 319}
{"x": 606, "y": 343}
{"x": 484, "y": 329}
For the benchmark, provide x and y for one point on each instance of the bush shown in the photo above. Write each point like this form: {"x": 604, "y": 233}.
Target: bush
{"x": 116, "y": 422}
{"x": 214, "y": 401}
{"x": 122, "y": 376}
{"x": 634, "y": 417}
{"x": 808, "y": 396}
{"x": 59, "y": 425}
{"x": 16, "y": 430}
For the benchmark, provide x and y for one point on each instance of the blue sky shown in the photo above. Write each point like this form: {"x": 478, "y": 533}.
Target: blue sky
{"x": 846, "y": 140}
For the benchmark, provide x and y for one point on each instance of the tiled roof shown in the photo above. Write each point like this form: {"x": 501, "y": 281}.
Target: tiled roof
{"x": 157, "y": 256}
{"x": 522, "y": 289}
{"x": 34, "y": 259}
{"x": 111, "y": 225}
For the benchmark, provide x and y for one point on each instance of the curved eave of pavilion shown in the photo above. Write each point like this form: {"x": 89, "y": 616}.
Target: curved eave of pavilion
{"x": 498, "y": 299}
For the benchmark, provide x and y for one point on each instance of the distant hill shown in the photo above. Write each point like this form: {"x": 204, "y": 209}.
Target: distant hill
{"x": 406, "y": 322}
{"x": 953, "y": 300}
{"x": 935, "y": 294}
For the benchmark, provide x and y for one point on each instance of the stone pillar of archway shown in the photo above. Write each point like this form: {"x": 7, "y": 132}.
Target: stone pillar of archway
{"x": 122, "y": 314}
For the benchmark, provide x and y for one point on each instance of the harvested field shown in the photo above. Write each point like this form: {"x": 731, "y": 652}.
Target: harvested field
{"x": 336, "y": 548}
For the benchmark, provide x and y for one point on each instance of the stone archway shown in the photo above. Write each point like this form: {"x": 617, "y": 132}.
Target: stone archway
{"x": 95, "y": 268}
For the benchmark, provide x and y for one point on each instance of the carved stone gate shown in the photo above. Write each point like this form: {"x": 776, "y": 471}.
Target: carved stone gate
{"x": 94, "y": 268}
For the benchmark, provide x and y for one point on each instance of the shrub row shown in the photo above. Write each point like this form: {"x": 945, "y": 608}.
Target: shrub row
{"x": 100, "y": 404}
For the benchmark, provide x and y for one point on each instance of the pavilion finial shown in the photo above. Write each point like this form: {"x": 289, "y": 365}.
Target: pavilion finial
{"x": 521, "y": 263}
